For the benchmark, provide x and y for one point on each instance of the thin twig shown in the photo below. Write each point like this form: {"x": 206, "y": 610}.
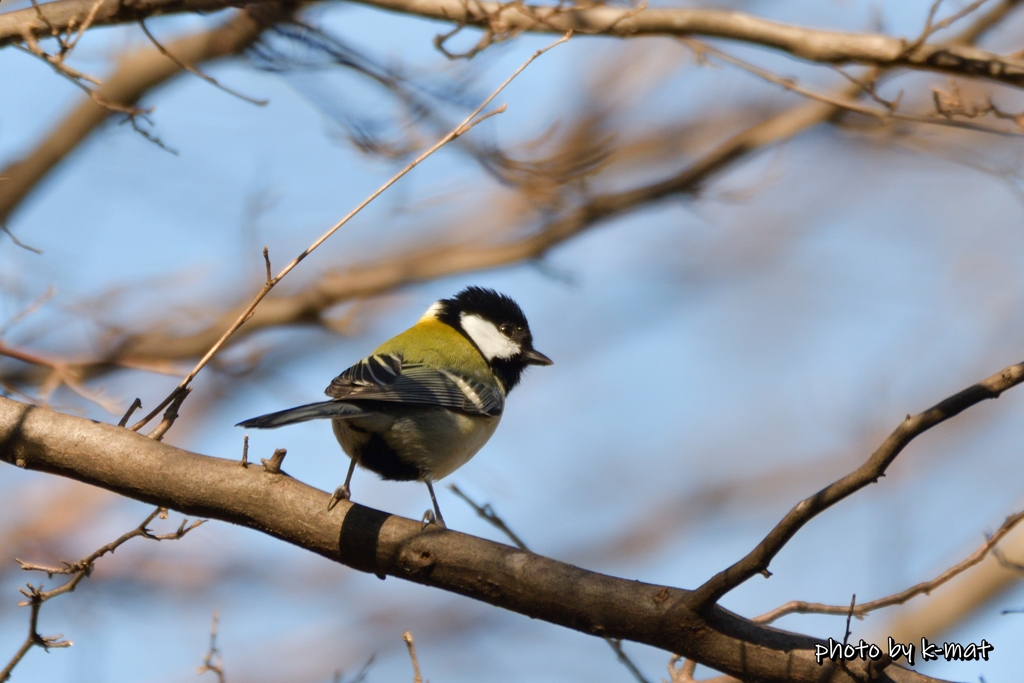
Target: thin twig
{"x": 7, "y": 231}
{"x": 170, "y": 415}
{"x": 136, "y": 404}
{"x": 28, "y": 310}
{"x": 923, "y": 588}
{"x": 36, "y": 596}
{"x": 416, "y": 677}
{"x": 455, "y": 132}
{"x": 77, "y": 77}
{"x": 61, "y": 373}
{"x": 488, "y": 513}
{"x": 931, "y": 26}
{"x": 883, "y": 115}
{"x": 25, "y": 356}
{"x": 849, "y": 617}
{"x": 213, "y": 661}
{"x": 193, "y": 70}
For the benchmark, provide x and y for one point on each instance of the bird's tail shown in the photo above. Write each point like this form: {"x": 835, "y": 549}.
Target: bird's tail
{"x": 313, "y": 411}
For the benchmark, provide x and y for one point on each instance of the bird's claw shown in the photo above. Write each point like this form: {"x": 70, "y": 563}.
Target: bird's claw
{"x": 429, "y": 518}
{"x": 340, "y": 494}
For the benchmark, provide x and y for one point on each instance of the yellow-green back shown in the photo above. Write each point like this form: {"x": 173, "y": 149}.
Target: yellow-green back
{"x": 438, "y": 345}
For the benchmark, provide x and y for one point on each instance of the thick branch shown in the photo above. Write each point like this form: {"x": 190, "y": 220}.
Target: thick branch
{"x": 373, "y": 541}
{"x": 817, "y": 45}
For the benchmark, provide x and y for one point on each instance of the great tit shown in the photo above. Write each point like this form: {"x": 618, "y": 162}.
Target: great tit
{"x": 427, "y": 400}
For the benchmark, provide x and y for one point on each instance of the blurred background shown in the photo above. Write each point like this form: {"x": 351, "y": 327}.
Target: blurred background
{"x": 720, "y": 352}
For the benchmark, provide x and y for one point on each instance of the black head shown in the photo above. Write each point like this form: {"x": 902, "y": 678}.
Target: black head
{"x": 496, "y": 326}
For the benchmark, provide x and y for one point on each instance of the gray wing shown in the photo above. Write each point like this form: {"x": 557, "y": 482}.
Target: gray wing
{"x": 385, "y": 377}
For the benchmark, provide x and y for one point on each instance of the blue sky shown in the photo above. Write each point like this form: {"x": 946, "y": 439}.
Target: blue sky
{"x": 716, "y": 359}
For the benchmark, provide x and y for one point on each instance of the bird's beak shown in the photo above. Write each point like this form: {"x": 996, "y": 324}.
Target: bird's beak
{"x": 534, "y": 357}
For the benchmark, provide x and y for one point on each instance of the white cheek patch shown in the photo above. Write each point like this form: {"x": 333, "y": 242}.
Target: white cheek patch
{"x": 431, "y": 313}
{"x": 492, "y": 343}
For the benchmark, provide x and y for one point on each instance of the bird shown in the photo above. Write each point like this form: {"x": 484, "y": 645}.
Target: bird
{"x": 427, "y": 400}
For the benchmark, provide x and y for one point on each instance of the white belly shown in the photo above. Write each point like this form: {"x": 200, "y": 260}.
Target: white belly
{"x": 434, "y": 441}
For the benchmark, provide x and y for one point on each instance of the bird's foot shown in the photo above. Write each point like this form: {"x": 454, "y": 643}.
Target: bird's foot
{"x": 429, "y": 518}
{"x": 340, "y": 494}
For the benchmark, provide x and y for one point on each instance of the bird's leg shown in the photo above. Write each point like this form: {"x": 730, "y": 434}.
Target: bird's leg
{"x": 343, "y": 492}
{"x": 433, "y": 516}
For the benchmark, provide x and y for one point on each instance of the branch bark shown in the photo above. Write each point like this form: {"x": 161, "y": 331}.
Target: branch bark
{"x": 368, "y": 540}
{"x": 816, "y": 45}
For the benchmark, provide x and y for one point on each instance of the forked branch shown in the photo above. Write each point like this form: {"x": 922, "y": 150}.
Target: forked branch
{"x": 78, "y": 570}
{"x": 758, "y": 560}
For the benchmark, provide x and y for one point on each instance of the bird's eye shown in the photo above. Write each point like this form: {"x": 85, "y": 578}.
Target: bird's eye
{"x": 506, "y": 330}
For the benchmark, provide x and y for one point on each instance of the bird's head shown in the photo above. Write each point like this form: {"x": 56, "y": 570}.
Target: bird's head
{"x": 495, "y": 324}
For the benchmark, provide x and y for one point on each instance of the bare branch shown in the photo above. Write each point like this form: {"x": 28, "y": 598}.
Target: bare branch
{"x": 503, "y": 19}
{"x": 170, "y": 415}
{"x": 136, "y": 404}
{"x": 757, "y": 561}
{"x": 416, "y": 677}
{"x": 213, "y": 661}
{"x": 925, "y": 587}
{"x": 137, "y": 74}
{"x": 60, "y": 373}
{"x": 193, "y": 70}
{"x": 156, "y": 350}
{"x": 487, "y": 512}
{"x": 79, "y": 570}
{"x": 7, "y": 231}
{"x": 890, "y": 111}
{"x": 31, "y": 308}
{"x": 931, "y": 26}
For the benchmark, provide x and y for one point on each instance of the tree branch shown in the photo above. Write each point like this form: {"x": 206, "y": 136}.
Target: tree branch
{"x": 157, "y": 349}
{"x": 816, "y": 45}
{"x": 137, "y": 73}
{"x": 433, "y": 262}
{"x": 925, "y": 587}
{"x": 372, "y": 541}
{"x": 757, "y": 561}
{"x": 78, "y": 570}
